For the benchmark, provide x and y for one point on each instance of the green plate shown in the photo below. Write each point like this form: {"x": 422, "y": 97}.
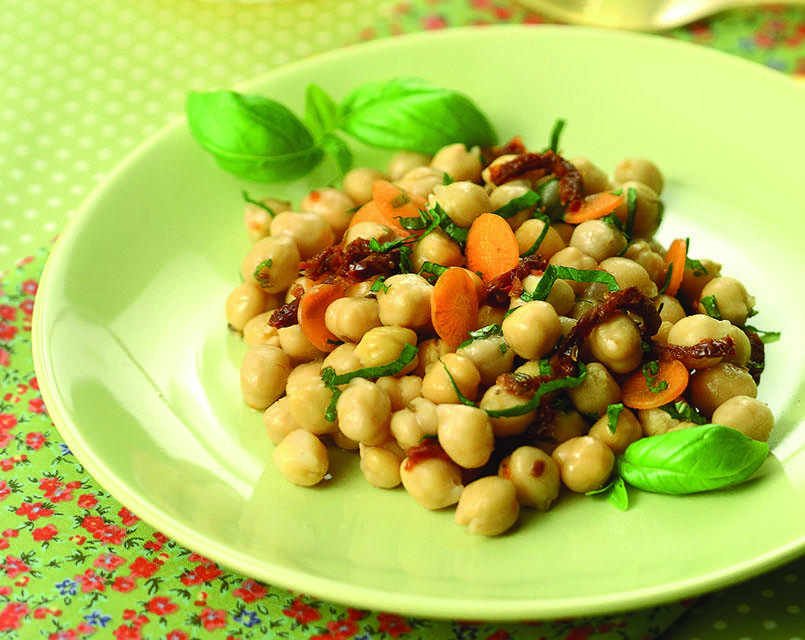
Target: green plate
{"x": 140, "y": 374}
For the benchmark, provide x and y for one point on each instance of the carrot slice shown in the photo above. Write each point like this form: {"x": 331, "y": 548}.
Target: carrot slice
{"x": 595, "y": 206}
{"x": 653, "y": 388}
{"x": 367, "y": 213}
{"x": 491, "y": 246}
{"x": 394, "y": 202}
{"x": 312, "y": 307}
{"x": 675, "y": 258}
{"x": 454, "y": 306}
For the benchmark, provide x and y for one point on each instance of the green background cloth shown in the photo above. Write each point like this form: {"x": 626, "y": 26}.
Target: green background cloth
{"x": 81, "y": 83}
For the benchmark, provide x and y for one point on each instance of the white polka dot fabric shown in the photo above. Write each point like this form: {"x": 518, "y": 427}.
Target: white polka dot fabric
{"x": 84, "y": 81}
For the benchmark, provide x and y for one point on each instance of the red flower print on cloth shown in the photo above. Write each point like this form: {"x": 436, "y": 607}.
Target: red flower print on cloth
{"x": 124, "y": 584}
{"x": 5, "y": 358}
{"x": 213, "y": 618}
{"x": 201, "y": 573}
{"x": 339, "y": 630}
{"x": 90, "y": 581}
{"x": 110, "y": 534}
{"x": 250, "y": 591}
{"x": 143, "y": 568}
{"x": 37, "y": 405}
{"x": 125, "y": 632}
{"x": 30, "y": 287}
{"x": 177, "y": 635}
{"x": 64, "y": 634}
{"x": 161, "y": 606}
{"x": 44, "y": 533}
{"x": 7, "y": 312}
{"x": 34, "y": 511}
{"x": 92, "y": 523}
{"x": 11, "y": 615}
{"x": 127, "y": 518}
{"x": 7, "y": 332}
{"x": 87, "y": 501}
{"x": 5, "y": 491}
{"x": 7, "y": 421}
{"x": 301, "y": 612}
{"x": 35, "y": 440}
{"x": 392, "y": 624}
{"x": 108, "y": 562}
{"x": 27, "y": 307}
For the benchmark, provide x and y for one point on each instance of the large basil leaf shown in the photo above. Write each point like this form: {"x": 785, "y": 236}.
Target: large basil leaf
{"x": 406, "y": 113}
{"x": 691, "y": 460}
{"x": 251, "y": 136}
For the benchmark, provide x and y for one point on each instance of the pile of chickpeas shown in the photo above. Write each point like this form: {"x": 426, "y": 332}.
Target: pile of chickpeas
{"x": 383, "y": 418}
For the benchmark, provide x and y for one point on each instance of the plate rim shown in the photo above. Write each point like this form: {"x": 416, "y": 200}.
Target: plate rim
{"x": 327, "y": 588}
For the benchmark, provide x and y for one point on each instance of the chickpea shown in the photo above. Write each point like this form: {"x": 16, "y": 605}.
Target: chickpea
{"x": 426, "y": 414}
{"x": 401, "y": 390}
{"x": 712, "y": 387}
{"x": 669, "y": 308}
{"x": 301, "y": 458}
{"x": 436, "y": 385}
{"x": 405, "y": 428}
{"x": 562, "y": 428}
{"x": 616, "y": 343}
{"x": 430, "y": 352}
{"x": 489, "y": 315}
{"x": 661, "y": 337}
{"x": 351, "y": 318}
{"x": 439, "y": 248}
{"x": 561, "y": 296}
{"x": 567, "y": 325}
{"x": 505, "y": 193}
{"x": 693, "y": 280}
{"x": 360, "y": 289}
{"x": 421, "y": 181}
{"x": 404, "y": 161}
{"x": 648, "y": 210}
{"x": 534, "y": 474}
{"x": 628, "y": 273}
{"x": 627, "y": 431}
{"x": 491, "y": 357}
{"x": 296, "y": 344}
{"x": 691, "y": 330}
{"x": 572, "y": 257}
{"x": 458, "y": 162}
{"x": 301, "y": 373}
{"x": 359, "y": 181}
{"x": 263, "y": 374}
{"x": 598, "y": 239}
{"x": 243, "y": 303}
{"x": 334, "y": 206}
{"x": 639, "y": 170}
{"x": 380, "y": 467}
{"x": 532, "y": 330}
{"x": 342, "y": 359}
{"x": 271, "y": 264}
{"x": 405, "y": 302}
{"x": 734, "y": 303}
{"x": 496, "y": 398}
{"x": 642, "y": 253}
{"x": 585, "y": 463}
{"x": 465, "y": 434}
{"x": 257, "y": 219}
{"x": 364, "y": 412}
{"x": 597, "y": 391}
{"x": 746, "y": 414}
{"x": 383, "y": 345}
{"x": 278, "y": 420}
{"x": 292, "y": 291}
{"x": 308, "y": 405}
{"x": 528, "y": 232}
{"x": 594, "y": 179}
{"x": 368, "y": 230}
{"x": 488, "y": 506}
{"x": 564, "y": 230}
{"x": 656, "y": 421}
{"x": 434, "y": 483}
{"x": 309, "y": 231}
{"x": 259, "y": 330}
{"x": 462, "y": 201}
{"x": 743, "y": 348}
{"x": 486, "y": 174}
{"x": 342, "y": 442}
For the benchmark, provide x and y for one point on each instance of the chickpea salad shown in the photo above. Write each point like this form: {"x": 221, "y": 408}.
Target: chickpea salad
{"x": 490, "y": 327}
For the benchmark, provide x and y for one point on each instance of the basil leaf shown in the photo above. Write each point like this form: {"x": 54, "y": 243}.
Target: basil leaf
{"x": 251, "y": 136}
{"x": 682, "y": 411}
{"x": 615, "y": 492}
{"x": 691, "y": 460}
{"x": 407, "y": 113}
{"x": 538, "y": 242}
{"x": 408, "y": 353}
{"x": 461, "y": 397}
{"x": 380, "y": 285}
{"x": 338, "y": 150}
{"x": 545, "y": 388}
{"x": 489, "y": 331}
{"x": 321, "y": 112}
{"x": 613, "y": 413}
{"x": 432, "y": 267}
{"x": 518, "y": 204}
{"x": 765, "y": 336}
{"x": 555, "y": 272}
{"x": 711, "y": 307}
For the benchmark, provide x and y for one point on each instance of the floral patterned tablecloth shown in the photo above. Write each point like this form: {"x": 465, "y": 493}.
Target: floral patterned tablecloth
{"x": 82, "y": 83}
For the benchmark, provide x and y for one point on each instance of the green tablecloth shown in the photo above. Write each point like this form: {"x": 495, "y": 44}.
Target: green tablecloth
{"x": 81, "y": 83}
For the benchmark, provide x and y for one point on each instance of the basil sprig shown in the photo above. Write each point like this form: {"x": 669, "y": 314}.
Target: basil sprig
{"x": 691, "y": 460}
{"x": 257, "y": 138}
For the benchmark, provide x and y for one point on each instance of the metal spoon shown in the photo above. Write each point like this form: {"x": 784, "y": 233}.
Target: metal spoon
{"x": 638, "y": 15}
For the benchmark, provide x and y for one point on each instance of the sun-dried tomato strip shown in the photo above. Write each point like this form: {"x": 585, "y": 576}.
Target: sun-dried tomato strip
{"x": 707, "y": 348}
{"x": 427, "y": 449}
{"x": 286, "y": 315}
{"x": 757, "y": 355}
{"x": 521, "y": 384}
{"x": 513, "y": 146}
{"x": 499, "y": 291}
{"x": 355, "y": 261}
{"x": 571, "y": 184}
{"x": 623, "y": 300}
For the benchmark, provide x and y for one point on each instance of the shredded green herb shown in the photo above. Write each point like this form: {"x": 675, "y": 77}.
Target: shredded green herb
{"x": 545, "y": 368}
{"x": 380, "y": 285}
{"x": 257, "y": 203}
{"x": 489, "y": 331}
{"x": 262, "y": 278}
{"x": 694, "y": 265}
{"x": 711, "y": 307}
{"x": 555, "y": 272}
{"x": 556, "y": 132}
{"x": 667, "y": 280}
{"x": 613, "y": 413}
{"x": 520, "y": 203}
{"x": 432, "y": 267}
{"x": 461, "y": 397}
{"x": 403, "y": 244}
{"x": 538, "y": 242}
{"x": 432, "y": 217}
{"x": 765, "y": 336}
{"x": 682, "y": 411}
{"x": 631, "y": 211}
{"x": 446, "y": 179}
{"x": 546, "y": 387}
{"x": 650, "y": 371}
